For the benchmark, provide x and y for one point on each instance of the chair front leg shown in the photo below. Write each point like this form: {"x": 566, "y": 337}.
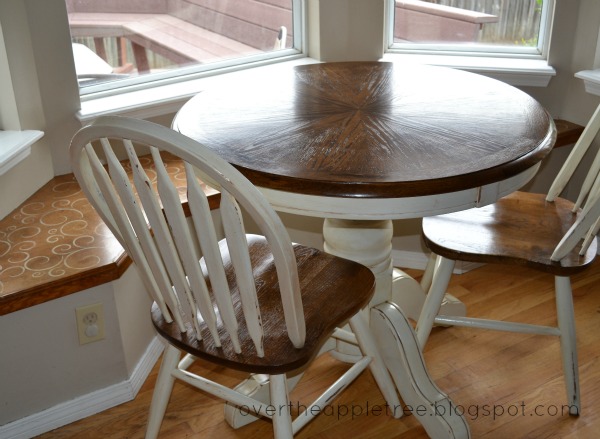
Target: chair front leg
{"x": 162, "y": 391}
{"x": 282, "y": 418}
{"x": 434, "y": 298}
{"x": 568, "y": 341}
{"x": 428, "y": 273}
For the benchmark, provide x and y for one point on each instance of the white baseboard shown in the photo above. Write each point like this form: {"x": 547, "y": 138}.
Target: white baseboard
{"x": 86, "y": 405}
{"x": 418, "y": 261}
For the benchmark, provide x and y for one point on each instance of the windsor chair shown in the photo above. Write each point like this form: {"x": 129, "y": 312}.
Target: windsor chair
{"x": 254, "y": 303}
{"x": 545, "y": 232}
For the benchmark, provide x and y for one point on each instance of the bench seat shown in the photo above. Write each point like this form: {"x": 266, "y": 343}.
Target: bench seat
{"x": 55, "y": 244}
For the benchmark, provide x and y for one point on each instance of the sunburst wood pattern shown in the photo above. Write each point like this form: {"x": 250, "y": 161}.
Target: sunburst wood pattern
{"x": 55, "y": 244}
{"x": 371, "y": 129}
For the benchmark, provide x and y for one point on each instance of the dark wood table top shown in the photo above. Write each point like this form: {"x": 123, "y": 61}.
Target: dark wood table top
{"x": 371, "y": 129}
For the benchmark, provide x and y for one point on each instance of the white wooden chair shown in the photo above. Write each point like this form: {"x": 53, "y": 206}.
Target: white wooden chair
{"x": 258, "y": 304}
{"x": 546, "y": 233}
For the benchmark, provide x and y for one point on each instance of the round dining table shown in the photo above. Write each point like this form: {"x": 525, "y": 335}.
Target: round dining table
{"x": 363, "y": 143}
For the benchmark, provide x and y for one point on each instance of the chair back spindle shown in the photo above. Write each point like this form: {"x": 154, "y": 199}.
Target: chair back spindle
{"x": 587, "y": 204}
{"x": 574, "y": 159}
{"x": 181, "y": 260}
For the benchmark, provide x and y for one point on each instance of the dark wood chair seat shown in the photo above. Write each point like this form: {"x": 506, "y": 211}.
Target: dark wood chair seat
{"x": 325, "y": 283}
{"x": 522, "y": 229}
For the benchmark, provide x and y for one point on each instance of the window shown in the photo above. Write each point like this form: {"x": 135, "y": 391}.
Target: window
{"x": 504, "y": 39}
{"x": 504, "y": 28}
{"x": 120, "y": 44}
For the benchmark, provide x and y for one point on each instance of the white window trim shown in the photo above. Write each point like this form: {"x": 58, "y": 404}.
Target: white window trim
{"x": 16, "y": 146}
{"x": 518, "y": 69}
{"x": 521, "y": 72}
{"x": 167, "y": 99}
{"x": 15, "y": 143}
{"x": 591, "y": 78}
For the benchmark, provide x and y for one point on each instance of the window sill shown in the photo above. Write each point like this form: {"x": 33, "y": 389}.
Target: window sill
{"x": 16, "y": 146}
{"x": 167, "y": 99}
{"x": 591, "y": 80}
{"x": 517, "y": 72}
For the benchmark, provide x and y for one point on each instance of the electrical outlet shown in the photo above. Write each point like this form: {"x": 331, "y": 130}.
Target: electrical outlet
{"x": 90, "y": 323}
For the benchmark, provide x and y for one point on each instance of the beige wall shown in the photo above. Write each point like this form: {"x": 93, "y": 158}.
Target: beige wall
{"x": 46, "y": 94}
{"x": 42, "y": 363}
{"x": 21, "y": 107}
{"x": 345, "y": 30}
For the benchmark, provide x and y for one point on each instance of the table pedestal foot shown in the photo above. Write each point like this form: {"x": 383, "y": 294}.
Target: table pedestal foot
{"x": 257, "y": 387}
{"x": 408, "y": 294}
{"x": 404, "y": 360}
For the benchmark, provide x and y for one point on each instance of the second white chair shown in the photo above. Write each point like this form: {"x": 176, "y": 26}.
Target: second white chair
{"x": 546, "y": 233}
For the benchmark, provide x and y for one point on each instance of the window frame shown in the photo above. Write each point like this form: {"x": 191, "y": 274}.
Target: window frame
{"x": 197, "y": 71}
{"x": 169, "y": 94}
{"x": 477, "y": 50}
{"x": 518, "y": 69}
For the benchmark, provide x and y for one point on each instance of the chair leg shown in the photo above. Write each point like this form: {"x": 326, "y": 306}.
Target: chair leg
{"x": 162, "y": 391}
{"x": 367, "y": 345}
{"x": 428, "y": 273}
{"x": 568, "y": 341}
{"x": 434, "y": 298}
{"x": 282, "y": 419}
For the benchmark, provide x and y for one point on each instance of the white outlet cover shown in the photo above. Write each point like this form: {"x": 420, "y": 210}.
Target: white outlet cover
{"x": 90, "y": 323}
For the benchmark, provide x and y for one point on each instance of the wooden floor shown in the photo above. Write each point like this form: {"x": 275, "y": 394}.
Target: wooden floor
{"x": 510, "y": 385}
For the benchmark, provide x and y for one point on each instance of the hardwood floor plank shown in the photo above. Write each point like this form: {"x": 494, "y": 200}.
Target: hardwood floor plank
{"x": 478, "y": 369}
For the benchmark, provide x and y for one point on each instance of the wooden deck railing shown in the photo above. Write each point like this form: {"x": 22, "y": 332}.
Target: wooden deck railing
{"x": 163, "y": 34}
{"x": 421, "y": 21}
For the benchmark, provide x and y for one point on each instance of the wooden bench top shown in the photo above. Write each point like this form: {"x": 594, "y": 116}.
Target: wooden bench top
{"x": 567, "y": 132}
{"x": 54, "y": 244}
